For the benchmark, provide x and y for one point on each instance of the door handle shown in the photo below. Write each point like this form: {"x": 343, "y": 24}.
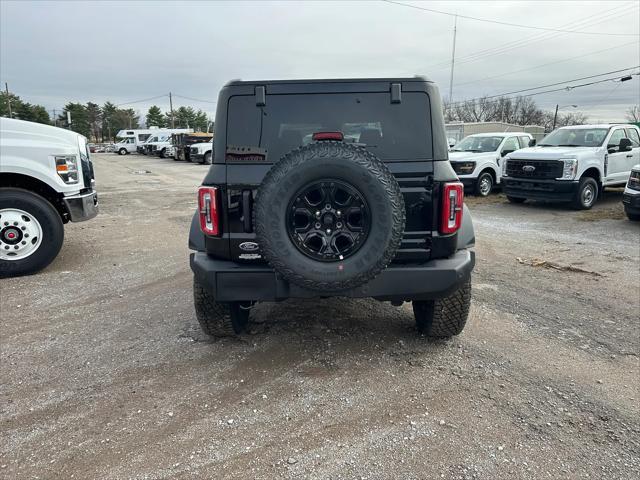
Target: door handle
{"x": 629, "y": 156}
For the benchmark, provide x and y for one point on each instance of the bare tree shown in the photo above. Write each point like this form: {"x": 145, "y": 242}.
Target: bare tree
{"x": 633, "y": 114}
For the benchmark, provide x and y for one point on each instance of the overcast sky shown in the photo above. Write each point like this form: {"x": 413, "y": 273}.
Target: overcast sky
{"x": 55, "y": 52}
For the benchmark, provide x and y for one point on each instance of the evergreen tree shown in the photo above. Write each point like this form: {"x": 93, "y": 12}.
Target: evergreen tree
{"x": 79, "y": 118}
{"x": 155, "y": 118}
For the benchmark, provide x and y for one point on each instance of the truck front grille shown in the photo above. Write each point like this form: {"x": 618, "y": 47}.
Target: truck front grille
{"x": 536, "y": 169}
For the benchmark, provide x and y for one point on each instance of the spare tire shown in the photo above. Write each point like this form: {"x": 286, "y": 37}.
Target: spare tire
{"x": 329, "y": 216}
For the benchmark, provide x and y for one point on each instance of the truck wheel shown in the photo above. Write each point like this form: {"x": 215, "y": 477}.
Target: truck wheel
{"x": 329, "y": 216}
{"x": 586, "y": 194}
{"x": 484, "y": 184}
{"x": 163, "y": 153}
{"x": 122, "y": 151}
{"x": 31, "y": 232}
{"x": 218, "y": 319}
{"x": 515, "y": 199}
{"x": 206, "y": 160}
{"x": 445, "y": 317}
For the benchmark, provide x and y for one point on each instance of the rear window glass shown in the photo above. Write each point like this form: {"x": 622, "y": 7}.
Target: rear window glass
{"x": 398, "y": 131}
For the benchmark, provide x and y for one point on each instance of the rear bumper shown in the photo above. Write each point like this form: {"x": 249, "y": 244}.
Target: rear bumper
{"x": 631, "y": 203}
{"x": 83, "y": 206}
{"x": 230, "y": 281}
{"x": 551, "y": 190}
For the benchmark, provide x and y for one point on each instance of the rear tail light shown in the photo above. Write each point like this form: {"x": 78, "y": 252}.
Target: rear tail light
{"x": 452, "y": 200}
{"x": 208, "y": 210}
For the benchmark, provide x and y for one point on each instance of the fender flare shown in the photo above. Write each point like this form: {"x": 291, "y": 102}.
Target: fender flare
{"x": 466, "y": 234}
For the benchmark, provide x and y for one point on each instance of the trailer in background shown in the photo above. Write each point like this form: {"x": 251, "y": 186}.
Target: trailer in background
{"x": 183, "y": 141}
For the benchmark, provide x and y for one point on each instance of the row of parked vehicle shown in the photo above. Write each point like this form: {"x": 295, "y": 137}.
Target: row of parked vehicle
{"x": 181, "y": 144}
{"x": 572, "y": 164}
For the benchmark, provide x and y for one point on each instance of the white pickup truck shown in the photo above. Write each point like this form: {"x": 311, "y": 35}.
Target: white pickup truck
{"x": 46, "y": 180}
{"x": 476, "y": 158}
{"x": 201, "y": 152}
{"x": 573, "y": 164}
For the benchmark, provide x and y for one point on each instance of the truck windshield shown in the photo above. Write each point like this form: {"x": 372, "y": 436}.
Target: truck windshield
{"x": 393, "y": 132}
{"x": 477, "y": 144}
{"x": 575, "y": 137}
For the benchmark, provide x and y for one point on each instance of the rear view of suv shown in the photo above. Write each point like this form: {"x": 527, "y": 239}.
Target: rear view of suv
{"x": 323, "y": 188}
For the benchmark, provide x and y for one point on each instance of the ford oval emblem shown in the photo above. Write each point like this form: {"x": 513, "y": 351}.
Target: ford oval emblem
{"x": 528, "y": 168}
{"x": 249, "y": 246}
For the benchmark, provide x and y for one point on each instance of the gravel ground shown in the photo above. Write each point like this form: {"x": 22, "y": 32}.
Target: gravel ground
{"x": 105, "y": 373}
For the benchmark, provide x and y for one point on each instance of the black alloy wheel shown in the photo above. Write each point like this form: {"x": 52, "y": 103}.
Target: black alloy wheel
{"x": 328, "y": 220}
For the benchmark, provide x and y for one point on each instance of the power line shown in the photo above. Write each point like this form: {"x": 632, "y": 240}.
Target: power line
{"x": 604, "y": 16}
{"x": 557, "y": 83}
{"x": 567, "y": 88}
{"x": 544, "y": 64}
{"x": 486, "y": 20}
{"x": 143, "y": 100}
{"x": 194, "y": 99}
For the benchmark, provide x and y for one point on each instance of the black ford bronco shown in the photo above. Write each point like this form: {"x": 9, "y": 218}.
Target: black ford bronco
{"x": 323, "y": 188}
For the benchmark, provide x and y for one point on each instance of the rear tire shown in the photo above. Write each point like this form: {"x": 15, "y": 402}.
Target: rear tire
{"x": 484, "y": 184}
{"x": 163, "y": 153}
{"x": 515, "y": 199}
{"x": 206, "y": 160}
{"x": 218, "y": 319}
{"x": 445, "y": 317}
{"x": 586, "y": 195}
{"x": 49, "y": 222}
{"x": 122, "y": 151}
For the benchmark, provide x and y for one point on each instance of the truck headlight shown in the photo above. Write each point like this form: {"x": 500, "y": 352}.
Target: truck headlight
{"x": 463, "y": 168}
{"x": 504, "y": 167}
{"x": 67, "y": 168}
{"x": 569, "y": 169}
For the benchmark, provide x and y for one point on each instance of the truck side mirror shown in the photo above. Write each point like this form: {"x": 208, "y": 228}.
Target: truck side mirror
{"x": 625, "y": 145}
{"x": 532, "y": 142}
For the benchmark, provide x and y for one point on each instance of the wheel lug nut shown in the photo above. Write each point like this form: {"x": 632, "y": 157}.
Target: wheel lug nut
{"x": 6, "y": 247}
{"x": 317, "y": 213}
{"x": 23, "y": 228}
{"x": 328, "y": 231}
{"x": 15, "y": 223}
{"x": 23, "y": 242}
{"x": 6, "y": 223}
{"x": 339, "y": 224}
{"x": 339, "y": 213}
{"x": 16, "y": 247}
{"x": 327, "y": 207}
{"x": 318, "y": 225}
{"x": 26, "y": 235}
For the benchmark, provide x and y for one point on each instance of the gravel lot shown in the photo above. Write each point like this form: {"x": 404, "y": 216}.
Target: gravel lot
{"x": 105, "y": 373}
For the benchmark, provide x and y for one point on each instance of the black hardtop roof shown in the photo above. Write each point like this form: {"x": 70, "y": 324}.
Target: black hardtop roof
{"x": 417, "y": 78}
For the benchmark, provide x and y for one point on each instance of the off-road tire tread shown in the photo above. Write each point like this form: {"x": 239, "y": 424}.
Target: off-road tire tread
{"x": 449, "y": 315}
{"x": 331, "y": 149}
{"x": 214, "y": 317}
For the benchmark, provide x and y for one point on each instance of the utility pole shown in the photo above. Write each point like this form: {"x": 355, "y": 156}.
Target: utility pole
{"x": 55, "y": 118}
{"x": 173, "y": 123}
{"x": 6, "y": 86}
{"x": 555, "y": 118}
{"x": 453, "y": 58}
